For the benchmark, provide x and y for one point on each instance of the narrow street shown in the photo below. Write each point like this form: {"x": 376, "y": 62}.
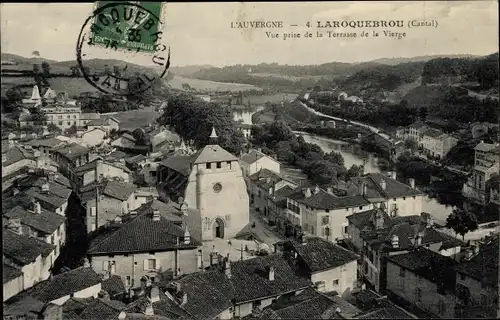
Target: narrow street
{"x": 262, "y": 231}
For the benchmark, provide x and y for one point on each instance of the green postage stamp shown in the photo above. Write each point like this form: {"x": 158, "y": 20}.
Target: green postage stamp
{"x": 131, "y": 26}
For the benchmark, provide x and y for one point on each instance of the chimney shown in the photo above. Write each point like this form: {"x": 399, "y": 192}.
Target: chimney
{"x": 270, "y": 273}
{"x": 411, "y": 181}
{"x": 363, "y": 188}
{"x": 15, "y": 225}
{"x": 149, "y": 311}
{"x": 199, "y": 260}
{"x": 187, "y": 236}
{"x": 46, "y": 187}
{"x": 395, "y": 241}
{"x": 184, "y": 299}
{"x": 180, "y": 200}
{"x": 133, "y": 213}
{"x": 330, "y": 190}
{"x": 469, "y": 254}
{"x": 4, "y": 158}
{"x": 37, "y": 208}
{"x": 394, "y": 175}
{"x": 475, "y": 249}
{"x": 316, "y": 189}
{"x": 418, "y": 240}
{"x": 379, "y": 220}
{"x": 227, "y": 267}
{"x": 156, "y": 215}
{"x": 383, "y": 184}
{"x": 86, "y": 263}
{"x": 268, "y": 180}
{"x": 154, "y": 294}
{"x": 103, "y": 295}
{"x": 307, "y": 192}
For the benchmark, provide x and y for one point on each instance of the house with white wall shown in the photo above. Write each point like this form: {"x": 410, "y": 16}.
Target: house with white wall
{"x": 32, "y": 257}
{"x": 105, "y": 200}
{"x": 320, "y": 213}
{"x": 329, "y": 266}
{"x": 101, "y": 169}
{"x": 255, "y": 160}
{"x": 147, "y": 242}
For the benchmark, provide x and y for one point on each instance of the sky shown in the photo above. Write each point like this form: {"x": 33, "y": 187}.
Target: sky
{"x": 200, "y": 33}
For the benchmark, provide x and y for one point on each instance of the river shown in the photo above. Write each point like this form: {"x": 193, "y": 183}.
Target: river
{"x": 354, "y": 155}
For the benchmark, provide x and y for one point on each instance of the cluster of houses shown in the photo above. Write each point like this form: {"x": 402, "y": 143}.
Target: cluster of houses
{"x": 154, "y": 214}
{"x": 433, "y": 142}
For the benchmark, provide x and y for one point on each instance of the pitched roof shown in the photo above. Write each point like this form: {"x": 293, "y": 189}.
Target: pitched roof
{"x": 23, "y": 250}
{"x": 15, "y": 154}
{"x": 49, "y": 143}
{"x": 165, "y": 307}
{"x": 89, "y": 166}
{"x": 213, "y": 153}
{"x": 310, "y": 304}
{"x": 325, "y": 200}
{"x": 98, "y": 122}
{"x": 487, "y": 147}
{"x": 46, "y": 221}
{"x": 393, "y": 188}
{"x": 428, "y": 265}
{"x": 282, "y": 193}
{"x": 418, "y": 125}
{"x": 376, "y": 307}
{"x": 433, "y": 133}
{"x": 103, "y": 309}
{"x": 320, "y": 254}
{"x": 252, "y": 156}
{"x": 250, "y": 280}
{"x": 142, "y": 234}
{"x": 113, "y": 285}
{"x": 72, "y": 151}
{"x": 10, "y": 272}
{"x": 76, "y": 305}
{"x": 266, "y": 178}
{"x": 64, "y": 284}
{"x": 170, "y": 211}
{"x": 135, "y": 159}
{"x": 203, "y": 289}
{"x": 484, "y": 265}
{"x": 56, "y": 196}
{"x": 179, "y": 163}
{"x": 119, "y": 190}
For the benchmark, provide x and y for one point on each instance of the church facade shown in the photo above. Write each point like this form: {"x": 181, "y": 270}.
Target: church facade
{"x": 211, "y": 182}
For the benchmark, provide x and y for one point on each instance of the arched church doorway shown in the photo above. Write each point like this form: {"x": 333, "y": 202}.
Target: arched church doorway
{"x": 218, "y": 228}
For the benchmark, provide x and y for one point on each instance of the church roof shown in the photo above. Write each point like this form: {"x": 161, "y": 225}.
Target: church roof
{"x": 213, "y": 153}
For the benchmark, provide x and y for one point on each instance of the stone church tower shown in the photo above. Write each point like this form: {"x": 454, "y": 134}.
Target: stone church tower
{"x": 216, "y": 188}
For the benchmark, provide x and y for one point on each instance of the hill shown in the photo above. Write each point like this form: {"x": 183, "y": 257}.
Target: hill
{"x": 187, "y": 71}
{"x": 371, "y": 81}
{"x": 395, "y": 61}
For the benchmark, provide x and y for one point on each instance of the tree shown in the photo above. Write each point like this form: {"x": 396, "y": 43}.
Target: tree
{"x": 422, "y": 113}
{"x": 45, "y": 69}
{"x": 72, "y": 130}
{"x": 141, "y": 138}
{"x": 462, "y": 221}
{"x": 353, "y": 171}
{"x": 53, "y": 128}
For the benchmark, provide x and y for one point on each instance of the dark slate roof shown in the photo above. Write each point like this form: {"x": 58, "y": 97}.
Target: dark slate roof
{"x": 417, "y": 125}
{"x": 60, "y": 185}
{"x": 433, "y": 133}
{"x": 92, "y": 165}
{"x": 113, "y": 285}
{"x": 375, "y": 306}
{"x": 325, "y": 200}
{"x": 380, "y": 240}
{"x": 320, "y": 254}
{"x": 10, "y": 272}
{"x": 135, "y": 159}
{"x": 394, "y": 188}
{"x": 64, "y": 284}
{"x": 310, "y": 304}
{"x": 250, "y": 279}
{"x": 15, "y": 154}
{"x": 76, "y": 305}
{"x": 46, "y": 221}
{"x": 365, "y": 218}
{"x": 103, "y": 309}
{"x": 117, "y": 154}
{"x": 48, "y": 143}
{"x": 72, "y": 151}
{"x": 208, "y": 293}
{"x": 53, "y": 197}
{"x": 20, "y": 305}
{"x": 24, "y": 250}
{"x": 165, "y": 307}
{"x": 111, "y": 188}
{"x": 281, "y": 194}
{"x": 142, "y": 234}
{"x": 169, "y": 211}
{"x": 484, "y": 265}
{"x": 179, "y": 163}
{"x": 428, "y": 265}
{"x": 253, "y": 156}
{"x": 266, "y": 178}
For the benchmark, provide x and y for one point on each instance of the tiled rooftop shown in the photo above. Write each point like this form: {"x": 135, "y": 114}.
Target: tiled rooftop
{"x": 23, "y": 250}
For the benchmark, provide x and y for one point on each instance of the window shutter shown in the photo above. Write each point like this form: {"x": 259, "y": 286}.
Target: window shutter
{"x": 146, "y": 264}
{"x": 105, "y": 265}
{"x": 157, "y": 264}
{"x": 92, "y": 211}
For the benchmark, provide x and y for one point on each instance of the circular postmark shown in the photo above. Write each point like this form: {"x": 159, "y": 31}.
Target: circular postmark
{"x": 118, "y": 32}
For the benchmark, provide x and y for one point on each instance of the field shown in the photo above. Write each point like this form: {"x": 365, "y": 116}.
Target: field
{"x": 207, "y": 86}
{"x": 73, "y": 86}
